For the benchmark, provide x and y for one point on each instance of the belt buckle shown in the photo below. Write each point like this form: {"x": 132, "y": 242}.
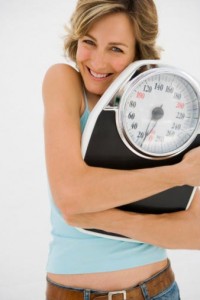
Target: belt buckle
{"x": 111, "y": 294}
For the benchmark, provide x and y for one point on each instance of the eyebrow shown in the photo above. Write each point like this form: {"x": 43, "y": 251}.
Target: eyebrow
{"x": 111, "y": 43}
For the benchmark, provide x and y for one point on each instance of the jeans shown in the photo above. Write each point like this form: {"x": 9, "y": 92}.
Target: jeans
{"x": 171, "y": 293}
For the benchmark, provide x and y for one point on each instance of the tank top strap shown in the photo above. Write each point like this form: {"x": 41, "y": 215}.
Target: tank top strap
{"x": 86, "y": 112}
{"x": 85, "y": 99}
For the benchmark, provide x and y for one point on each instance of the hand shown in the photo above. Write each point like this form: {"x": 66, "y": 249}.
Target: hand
{"x": 191, "y": 167}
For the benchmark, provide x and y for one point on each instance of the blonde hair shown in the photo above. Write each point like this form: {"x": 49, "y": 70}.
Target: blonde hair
{"x": 143, "y": 14}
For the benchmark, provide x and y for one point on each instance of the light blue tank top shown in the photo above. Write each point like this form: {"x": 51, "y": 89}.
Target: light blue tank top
{"x": 74, "y": 252}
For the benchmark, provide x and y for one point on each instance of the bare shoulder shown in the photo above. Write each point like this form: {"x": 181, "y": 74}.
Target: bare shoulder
{"x": 61, "y": 81}
{"x": 61, "y": 71}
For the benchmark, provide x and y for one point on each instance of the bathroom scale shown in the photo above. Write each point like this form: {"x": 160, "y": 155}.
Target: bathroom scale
{"x": 148, "y": 117}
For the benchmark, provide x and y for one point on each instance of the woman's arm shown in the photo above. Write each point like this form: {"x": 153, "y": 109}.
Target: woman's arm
{"x": 77, "y": 187}
{"x": 180, "y": 230}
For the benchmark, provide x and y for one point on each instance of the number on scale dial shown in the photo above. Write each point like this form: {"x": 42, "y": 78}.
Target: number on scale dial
{"x": 159, "y": 113}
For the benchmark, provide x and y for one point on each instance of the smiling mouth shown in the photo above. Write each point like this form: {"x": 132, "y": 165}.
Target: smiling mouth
{"x": 99, "y": 75}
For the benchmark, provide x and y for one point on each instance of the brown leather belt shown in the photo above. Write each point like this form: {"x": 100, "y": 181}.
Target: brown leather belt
{"x": 155, "y": 285}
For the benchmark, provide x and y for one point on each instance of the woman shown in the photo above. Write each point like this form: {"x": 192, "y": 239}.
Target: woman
{"x": 106, "y": 36}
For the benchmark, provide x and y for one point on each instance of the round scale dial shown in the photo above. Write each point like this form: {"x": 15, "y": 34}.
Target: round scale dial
{"x": 159, "y": 113}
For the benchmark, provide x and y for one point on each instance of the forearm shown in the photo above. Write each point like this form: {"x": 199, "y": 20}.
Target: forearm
{"x": 179, "y": 230}
{"x": 100, "y": 189}
{"x": 173, "y": 231}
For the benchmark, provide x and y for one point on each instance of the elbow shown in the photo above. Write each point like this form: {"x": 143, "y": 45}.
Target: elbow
{"x": 66, "y": 205}
{"x": 70, "y": 201}
{"x": 71, "y": 208}
{"x": 73, "y": 195}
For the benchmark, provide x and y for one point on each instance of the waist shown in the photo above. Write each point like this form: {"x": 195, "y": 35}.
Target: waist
{"x": 110, "y": 280}
{"x": 74, "y": 252}
{"x": 155, "y": 285}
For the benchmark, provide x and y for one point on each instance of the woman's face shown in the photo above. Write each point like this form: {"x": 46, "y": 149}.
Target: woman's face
{"x": 105, "y": 51}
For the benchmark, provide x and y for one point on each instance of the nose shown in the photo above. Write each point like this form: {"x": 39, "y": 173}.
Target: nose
{"x": 99, "y": 61}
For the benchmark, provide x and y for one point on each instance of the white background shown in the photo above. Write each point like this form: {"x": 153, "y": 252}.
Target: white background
{"x": 30, "y": 41}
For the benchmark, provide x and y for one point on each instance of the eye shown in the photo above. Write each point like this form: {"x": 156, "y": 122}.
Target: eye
{"x": 116, "y": 49}
{"x": 88, "y": 42}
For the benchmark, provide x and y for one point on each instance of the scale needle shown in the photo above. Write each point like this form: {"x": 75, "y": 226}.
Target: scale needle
{"x": 156, "y": 114}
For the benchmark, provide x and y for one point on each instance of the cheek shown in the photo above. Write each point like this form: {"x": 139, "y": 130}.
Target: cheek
{"x": 121, "y": 64}
{"x": 82, "y": 54}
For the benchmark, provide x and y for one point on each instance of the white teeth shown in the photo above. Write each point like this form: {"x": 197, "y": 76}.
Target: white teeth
{"x": 97, "y": 75}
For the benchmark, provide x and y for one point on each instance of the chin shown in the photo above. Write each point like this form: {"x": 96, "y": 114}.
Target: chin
{"x": 95, "y": 90}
